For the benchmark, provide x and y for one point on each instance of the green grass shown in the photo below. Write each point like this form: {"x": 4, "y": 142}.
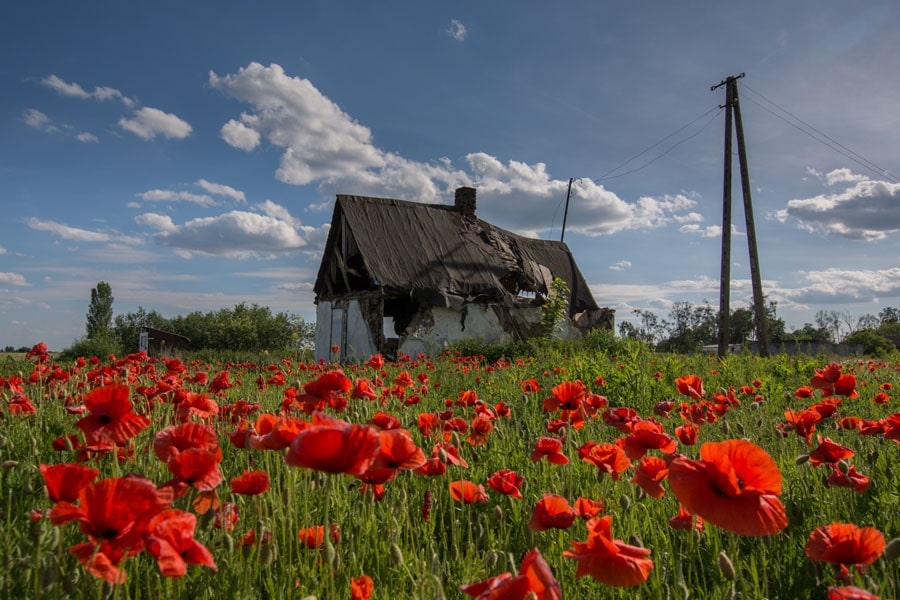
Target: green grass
{"x": 409, "y": 557}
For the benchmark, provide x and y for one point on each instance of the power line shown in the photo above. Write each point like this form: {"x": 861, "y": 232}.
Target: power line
{"x": 608, "y": 174}
{"x": 830, "y": 143}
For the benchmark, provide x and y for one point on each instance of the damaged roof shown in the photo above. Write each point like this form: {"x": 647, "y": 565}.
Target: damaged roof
{"x": 440, "y": 254}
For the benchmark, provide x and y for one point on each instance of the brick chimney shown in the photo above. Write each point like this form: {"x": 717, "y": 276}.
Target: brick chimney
{"x": 464, "y": 201}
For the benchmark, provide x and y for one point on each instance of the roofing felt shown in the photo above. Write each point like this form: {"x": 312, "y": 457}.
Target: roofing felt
{"x": 432, "y": 248}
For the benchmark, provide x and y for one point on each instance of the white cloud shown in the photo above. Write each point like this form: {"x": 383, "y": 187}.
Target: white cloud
{"x": 156, "y": 221}
{"x": 323, "y": 144}
{"x": 236, "y": 234}
{"x": 320, "y": 140}
{"x": 831, "y": 286}
{"x": 457, "y": 30}
{"x": 74, "y": 90}
{"x": 622, "y": 265}
{"x": 240, "y": 136}
{"x": 2, "y": 250}
{"x": 87, "y": 138}
{"x": 218, "y": 189}
{"x": 866, "y": 210}
{"x": 38, "y": 120}
{"x": 171, "y": 196}
{"x": 147, "y": 123}
{"x": 77, "y": 234}
{"x": 279, "y": 212}
{"x": 16, "y": 279}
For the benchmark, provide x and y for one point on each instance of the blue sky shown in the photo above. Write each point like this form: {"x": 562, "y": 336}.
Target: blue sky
{"x": 188, "y": 153}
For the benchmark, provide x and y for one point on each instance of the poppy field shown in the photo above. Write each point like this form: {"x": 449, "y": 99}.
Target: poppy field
{"x": 577, "y": 474}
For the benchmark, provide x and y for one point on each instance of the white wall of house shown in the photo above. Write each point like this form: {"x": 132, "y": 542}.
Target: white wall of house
{"x": 448, "y": 327}
{"x": 342, "y": 324}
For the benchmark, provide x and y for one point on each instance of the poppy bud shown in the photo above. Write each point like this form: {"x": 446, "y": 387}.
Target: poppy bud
{"x": 330, "y": 554}
{"x": 892, "y": 550}
{"x": 9, "y": 464}
{"x": 741, "y": 429}
{"x": 727, "y": 427}
{"x": 397, "y": 555}
{"x": 442, "y": 455}
{"x": 634, "y": 540}
{"x": 683, "y": 588}
{"x": 843, "y": 466}
{"x": 72, "y": 582}
{"x": 498, "y": 513}
{"x": 228, "y": 542}
{"x": 726, "y": 566}
{"x": 624, "y": 502}
{"x": 267, "y": 554}
{"x": 801, "y": 459}
{"x": 754, "y": 405}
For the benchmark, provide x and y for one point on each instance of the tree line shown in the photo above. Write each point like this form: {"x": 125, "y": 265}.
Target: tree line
{"x": 242, "y": 328}
{"x": 689, "y": 327}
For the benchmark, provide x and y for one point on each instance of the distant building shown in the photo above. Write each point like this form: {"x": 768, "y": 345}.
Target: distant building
{"x": 400, "y": 276}
{"x": 160, "y": 344}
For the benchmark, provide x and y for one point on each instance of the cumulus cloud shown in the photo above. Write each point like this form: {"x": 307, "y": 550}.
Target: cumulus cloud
{"x": 457, "y": 30}
{"x": 16, "y": 279}
{"x": 74, "y": 90}
{"x": 218, "y": 189}
{"x": 147, "y": 123}
{"x": 236, "y": 234}
{"x": 865, "y": 210}
{"x": 622, "y": 265}
{"x": 323, "y": 144}
{"x": 240, "y": 136}
{"x": 831, "y": 286}
{"x": 76, "y": 234}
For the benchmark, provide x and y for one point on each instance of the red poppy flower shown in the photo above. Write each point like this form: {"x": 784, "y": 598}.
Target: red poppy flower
{"x": 832, "y": 382}
{"x": 481, "y": 428}
{"x": 734, "y": 485}
{"x": 195, "y": 467}
{"x": 648, "y": 435}
{"x": 313, "y": 537}
{"x": 685, "y": 521}
{"x": 850, "y": 593}
{"x": 65, "y": 481}
{"x": 829, "y": 452}
{"x": 649, "y": 475}
{"x": 587, "y": 508}
{"x": 845, "y": 544}
{"x": 397, "y": 451}
{"x": 535, "y": 580}
{"x": 507, "y": 482}
{"x": 566, "y": 396}
{"x": 609, "y": 561}
{"x": 552, "y": 512}
{"x": 467, "y": 492}
{"x": 687, "y": 434}
{"x": 114, "y": 514}
{"x": 690, "y": 386}
{"x": 170, "y": 540}
{"x": 171, "y": 441}
{"x": 111, "y": 420}
{"x": 250, "y": 483}
{"x": 609, "y": 458}
{"x": 361, "y": 588}
{"x": 362, "y": 390}
{"x": 804, "y": 391}
{"x": 334, "y": 446}
{"x": 803, "y": 422}
{"x": 329, "y": 385}
{"x": 621, "y": 417}
{"x": 551, "y": 448}
{"x": 198, "y": 405}
{"x": 849, "y": 479}
{"x": 529, "y": 386}
{"x": 892, "y": 427}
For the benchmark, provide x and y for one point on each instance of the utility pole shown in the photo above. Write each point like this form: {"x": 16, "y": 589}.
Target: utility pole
{"x": 566, "y": 212}
{"x": 733, "y": 113}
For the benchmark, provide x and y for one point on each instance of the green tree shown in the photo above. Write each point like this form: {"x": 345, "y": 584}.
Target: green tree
{"x": 100, "y": 312}
{"x": 126, "y": 328}
{"x": 872, "y": 343}
{"x": 556, "y": 306}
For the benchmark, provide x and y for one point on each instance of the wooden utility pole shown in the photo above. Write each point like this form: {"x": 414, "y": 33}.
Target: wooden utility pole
{"x": 562, "y": 236}
{"x": 733, "y": 113}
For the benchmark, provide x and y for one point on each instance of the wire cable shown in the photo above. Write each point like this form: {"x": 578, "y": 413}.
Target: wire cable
{"x": 830, "y": 143}
{"x": 608, "y": 174}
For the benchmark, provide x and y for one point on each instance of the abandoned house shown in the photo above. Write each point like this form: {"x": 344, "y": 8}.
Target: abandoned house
{"x": 406, "y": 277}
